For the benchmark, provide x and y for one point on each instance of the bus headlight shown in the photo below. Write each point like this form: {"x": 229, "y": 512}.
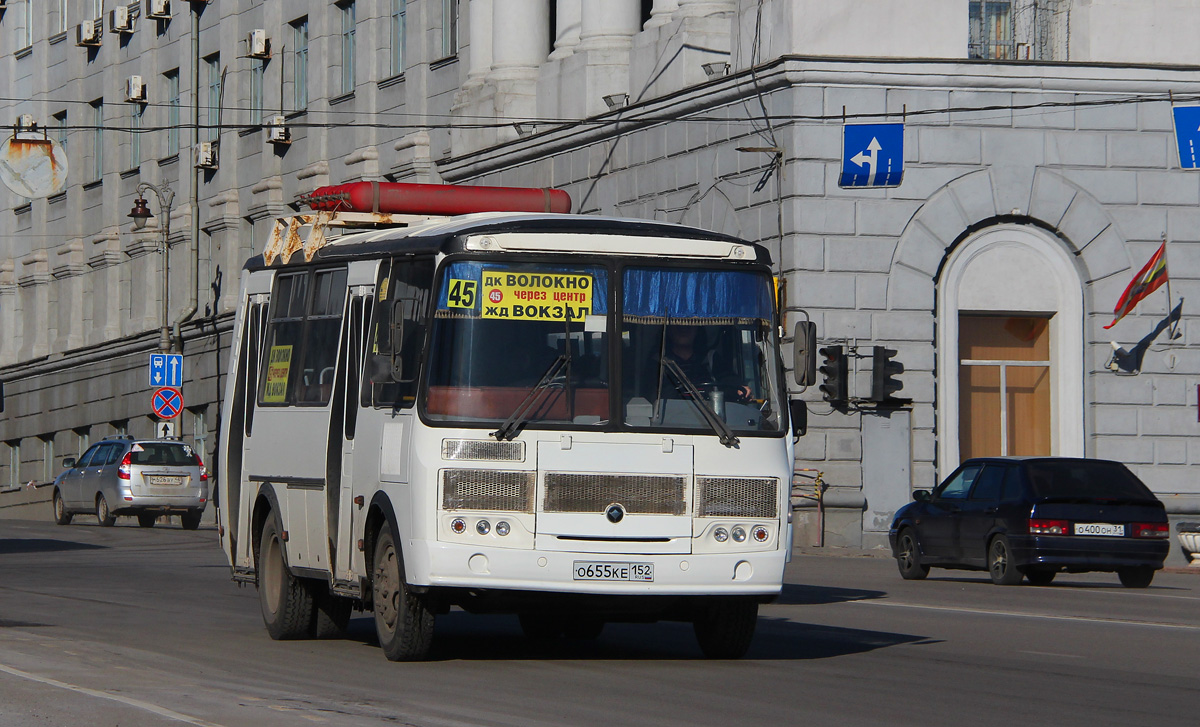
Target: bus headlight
{"x": 761, "y": 534}
{"x": 720, "y": 535}
{"x": 502, "y": 528}
{"x": 483, "y": 527}
{"x": 739, "y": 534}
{"x": 458, "y": 525}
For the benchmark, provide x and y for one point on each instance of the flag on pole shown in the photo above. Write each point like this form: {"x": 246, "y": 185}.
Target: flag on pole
{"x": 1148, "y": 280}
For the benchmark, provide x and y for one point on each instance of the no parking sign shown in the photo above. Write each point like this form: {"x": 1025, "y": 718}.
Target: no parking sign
{"x": 167, "y": 402}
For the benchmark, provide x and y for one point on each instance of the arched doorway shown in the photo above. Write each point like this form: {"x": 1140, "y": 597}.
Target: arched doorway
{"x": 1009, "y": 348}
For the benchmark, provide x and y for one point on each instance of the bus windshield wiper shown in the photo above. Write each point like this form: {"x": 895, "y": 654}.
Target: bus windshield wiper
{"x": 724, "y": 433}
{"x": 509, "y": 428}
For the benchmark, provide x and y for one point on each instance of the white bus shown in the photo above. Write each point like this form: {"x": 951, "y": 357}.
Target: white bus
{"x": 575, "y": 419}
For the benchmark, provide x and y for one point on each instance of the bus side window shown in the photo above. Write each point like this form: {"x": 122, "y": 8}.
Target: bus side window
{"x": 397, "y": 333}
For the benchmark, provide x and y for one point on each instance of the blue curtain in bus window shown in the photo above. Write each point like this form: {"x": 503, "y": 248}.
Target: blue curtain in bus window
{"x": 705, "y": 296}
{"x": 461, "y": 288}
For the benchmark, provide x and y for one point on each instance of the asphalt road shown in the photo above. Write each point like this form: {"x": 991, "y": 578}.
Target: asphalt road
{"x": 131, "y": 627}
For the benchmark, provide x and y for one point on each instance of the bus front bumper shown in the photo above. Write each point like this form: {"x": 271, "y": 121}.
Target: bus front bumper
{"x": 437, "y": 564}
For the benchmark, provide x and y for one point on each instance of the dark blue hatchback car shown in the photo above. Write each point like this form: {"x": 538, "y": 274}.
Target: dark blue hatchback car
{"x": 1032, "y": 517}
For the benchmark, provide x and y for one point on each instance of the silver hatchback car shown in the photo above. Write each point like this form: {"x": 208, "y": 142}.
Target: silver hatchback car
{"x": 121, "y": 475}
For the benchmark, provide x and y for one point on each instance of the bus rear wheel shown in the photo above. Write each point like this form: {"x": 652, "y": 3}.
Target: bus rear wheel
{"x": 403, "y": 619}
{"x": 287, "y": 606}
{"x": 725, "y": 626}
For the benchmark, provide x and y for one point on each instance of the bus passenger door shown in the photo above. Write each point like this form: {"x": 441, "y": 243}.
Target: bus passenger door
{"x": 341, "y": 506}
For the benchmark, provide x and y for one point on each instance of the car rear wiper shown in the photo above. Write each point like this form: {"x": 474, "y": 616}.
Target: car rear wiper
{"x": 724, "y": 433}
{"x": 520, "y": 415}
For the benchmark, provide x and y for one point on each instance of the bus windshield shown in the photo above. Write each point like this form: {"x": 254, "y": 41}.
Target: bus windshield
{"x": 528, "y": 344}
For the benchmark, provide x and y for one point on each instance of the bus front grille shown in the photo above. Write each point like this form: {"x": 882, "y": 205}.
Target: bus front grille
{"x": 638, "y": 494}
{"x": 488, "y": 490}
{"x": 737, "y": 497}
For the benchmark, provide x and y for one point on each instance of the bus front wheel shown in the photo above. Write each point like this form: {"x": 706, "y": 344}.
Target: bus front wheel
{"x": 287, "y": 606}
{"x": 403, "y": 619}
{"x": 725, "y": 626}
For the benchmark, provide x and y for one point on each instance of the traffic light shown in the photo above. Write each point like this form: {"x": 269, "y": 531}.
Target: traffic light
{"x": 884, "y": 371}
{"x": 833, "y": 370}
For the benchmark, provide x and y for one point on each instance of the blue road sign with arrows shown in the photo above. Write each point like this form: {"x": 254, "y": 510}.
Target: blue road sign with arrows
{"x": 872, "y": 155}
{"x": 1187, "y": 135}
{"x": 166, "y": 369}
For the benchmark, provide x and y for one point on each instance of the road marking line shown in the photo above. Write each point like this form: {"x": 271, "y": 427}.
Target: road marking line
{"x": 1047, "y": 616}
{"x": 139, "y": 704}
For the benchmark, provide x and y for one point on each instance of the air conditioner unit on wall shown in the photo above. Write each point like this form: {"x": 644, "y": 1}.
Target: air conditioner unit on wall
{"x": 120, "y": 20}
{"x": 158, "y": 9}
{"x": 277, "y": 133}
{"x": 87, "y": 33}
{"x": 206, "y": 155}
{"x": 258, "y": 45}
{"x": 135, "y": 89}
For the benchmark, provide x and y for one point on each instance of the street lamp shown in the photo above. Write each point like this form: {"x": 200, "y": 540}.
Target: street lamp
{"x": 140, "y": 213}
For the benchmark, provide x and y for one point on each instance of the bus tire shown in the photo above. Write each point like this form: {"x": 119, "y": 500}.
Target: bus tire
{"x": 725, "y": 626}
{"x": 287, "y": 606}
{"x": 331, "y": 612}
{"x": 403, "y": 619}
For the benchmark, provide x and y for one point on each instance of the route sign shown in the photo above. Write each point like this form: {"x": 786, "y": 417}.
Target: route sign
{"x": 167, "y": 402}
{"x": 872, "y": 155}
{"x": 1187, "y": 135}
{"x": 166, "y": 369}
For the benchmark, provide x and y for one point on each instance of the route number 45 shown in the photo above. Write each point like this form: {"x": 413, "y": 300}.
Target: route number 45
{"x": 462, "y": 293}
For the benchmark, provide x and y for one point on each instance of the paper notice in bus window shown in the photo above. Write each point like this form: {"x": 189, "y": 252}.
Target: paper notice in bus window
{"x": 536, "y": 296}
{"x": 279, "y": 363}
{"x": 462, "y": 294}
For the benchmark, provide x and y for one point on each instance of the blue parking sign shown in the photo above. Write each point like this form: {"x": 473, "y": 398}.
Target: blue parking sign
{"x": 1187, "y": 135}
{"x": 872, "y": 155}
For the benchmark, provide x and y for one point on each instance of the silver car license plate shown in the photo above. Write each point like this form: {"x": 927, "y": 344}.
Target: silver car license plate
{"x": 586, "y": 570}
{"x": 164, "y": 480}
{"x": 1099, "y": 529}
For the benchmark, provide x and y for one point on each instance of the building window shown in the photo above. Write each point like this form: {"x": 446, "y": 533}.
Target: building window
{"x": 172, "y": 78}
{"x": 348, "y": 23}
{"x": 399, "y": 10}
{"x": 991, "y": 23}
{"x": 258, "y": 72}
{"x": 97, "y": 139}
{"x": 213, "y": 101}
{"x": 60, "y": 128}
{"x": 60, "y": 24}
{"x": 82, "y": 440}
{"x": 449, "y": 28}
{"x": 14, "y": 463}
{"x": 300, "y": 64}
{"x": 200, "y": 431}
{"x": 27, "y": 26}
{"x": 47, "y": 458}
{"x": 135, "y": 136}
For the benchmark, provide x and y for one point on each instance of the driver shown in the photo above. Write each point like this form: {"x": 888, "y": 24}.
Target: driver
{"x": 681, "y": 347}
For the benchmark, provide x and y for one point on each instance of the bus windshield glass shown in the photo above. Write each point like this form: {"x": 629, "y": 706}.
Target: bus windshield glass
{"x": 499, "y": 328}
{"x": 695, "y": 339}
{"x": 528, "y": 344}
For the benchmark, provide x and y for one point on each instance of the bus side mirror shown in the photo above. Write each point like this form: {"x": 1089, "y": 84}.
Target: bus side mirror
{"x": 397, "y": 334}
{"x": 804, "y": 353}
{"x": 798, "y": 413}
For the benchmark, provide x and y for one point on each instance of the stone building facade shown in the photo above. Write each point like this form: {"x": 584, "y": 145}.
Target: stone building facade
{"x": 1041, "y": 173}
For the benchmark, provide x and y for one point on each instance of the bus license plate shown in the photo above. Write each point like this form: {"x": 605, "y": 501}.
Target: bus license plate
{"x": 164, "y": 480}
{"x": 1099, "y": 529}
{"x": 590, "y": 571}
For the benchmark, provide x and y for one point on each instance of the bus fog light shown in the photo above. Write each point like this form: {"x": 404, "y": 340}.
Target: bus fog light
{"x": 483, "y": 527}
{"x": 502, "y": 528}
{"x": 720, "y": 535}
{"x": 761, "y": 534}
{"x": 458, "y": 525}
{"x": 739, "y": 534}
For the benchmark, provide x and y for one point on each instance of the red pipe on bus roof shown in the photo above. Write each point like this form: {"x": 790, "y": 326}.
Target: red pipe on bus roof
{"x": 434, "y": 199}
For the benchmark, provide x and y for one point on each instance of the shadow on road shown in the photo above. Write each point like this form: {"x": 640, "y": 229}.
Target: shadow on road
{"x": 9, "y": 546}
{"x": 818, "y": 595}
{"x": 467, "y": 637}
